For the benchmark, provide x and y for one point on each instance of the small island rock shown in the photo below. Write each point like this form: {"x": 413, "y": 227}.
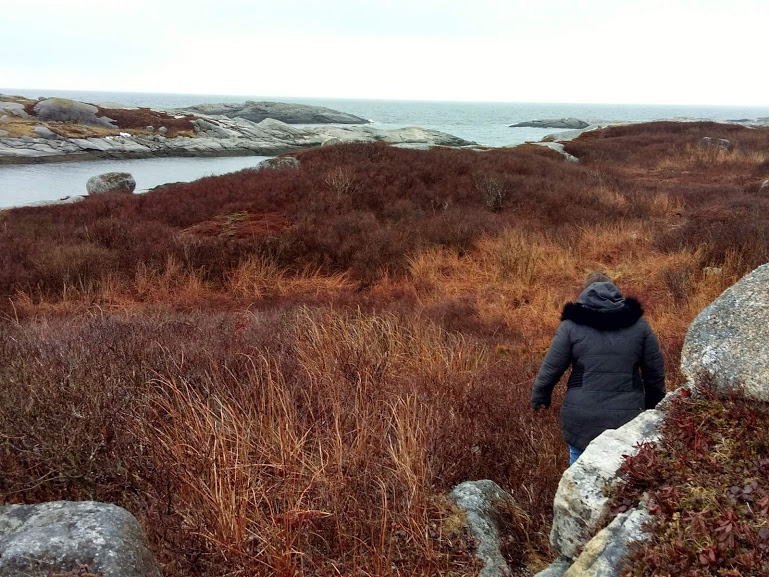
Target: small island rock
{"x": 567, "y": 123}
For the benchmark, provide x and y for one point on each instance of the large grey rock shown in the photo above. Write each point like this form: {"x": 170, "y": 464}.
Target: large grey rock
{"x": 65, "y": 110}
{"x": 281, "y": 162}
{"x": 14, "y": 109}
{"x": 715, "y": 143}
{"x": 726, "y": 344}
{"x": 285, "y": 112}
{"x": 568, "y": 123}
{"x": 580, "y": 508}
{"x": 64, "y": 536}
{"x": 479, "y": 501}
{"x": 111, "y": 182}
{"x": 602, "y": 556}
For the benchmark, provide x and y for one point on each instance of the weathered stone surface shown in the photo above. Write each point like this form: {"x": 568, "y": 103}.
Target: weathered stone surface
{"x": 5, "y": 119}
{"x": 218, "y": 136}
{"x": 568, "y": 123}
{"x": 715, "y": 143}
{"x": 556, "y": 569}
{"x": 111, "y": 182}
{"x": 64, "y": 536}
{"x": 281, "y": 162}
{"x": 14, "y": 109}
{"x": 478, "y": 499}
{"x": 44, "y": 132}
{"x": 726, "y": 344}
{"x": 285, "y": 112}
{"x": 580, "y": 507}
{"x": 4, "y": 133}
{"x": 409, "y": 134}
{"x": 602, "y": 556}
{"x": 65, "y": 110}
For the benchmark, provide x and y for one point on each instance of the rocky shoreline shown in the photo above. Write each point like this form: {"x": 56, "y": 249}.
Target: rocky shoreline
{"x": 56, "y": 130}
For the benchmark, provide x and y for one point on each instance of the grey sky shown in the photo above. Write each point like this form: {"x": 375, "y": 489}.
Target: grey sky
{"x": 633, "y": 51}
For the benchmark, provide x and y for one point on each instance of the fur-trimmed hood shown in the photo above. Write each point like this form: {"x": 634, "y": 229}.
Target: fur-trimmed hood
{"x": 601, "y": 306}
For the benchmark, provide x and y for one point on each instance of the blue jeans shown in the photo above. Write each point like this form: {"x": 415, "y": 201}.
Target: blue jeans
{"x": 574, "y": 454}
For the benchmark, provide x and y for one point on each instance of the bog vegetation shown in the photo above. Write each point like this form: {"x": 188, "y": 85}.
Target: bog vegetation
{"x": 284, "y": 371}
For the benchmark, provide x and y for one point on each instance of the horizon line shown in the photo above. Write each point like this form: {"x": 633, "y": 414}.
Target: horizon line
{"x": 379, "y": 99}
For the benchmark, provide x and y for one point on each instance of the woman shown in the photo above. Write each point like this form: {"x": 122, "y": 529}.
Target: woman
{"x": 617, "y": 366}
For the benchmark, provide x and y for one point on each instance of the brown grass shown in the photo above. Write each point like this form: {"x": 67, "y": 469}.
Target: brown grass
{"x": 285, "y": 371}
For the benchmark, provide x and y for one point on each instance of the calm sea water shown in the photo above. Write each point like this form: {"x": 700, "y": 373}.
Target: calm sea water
{"x": 486, "y": 123}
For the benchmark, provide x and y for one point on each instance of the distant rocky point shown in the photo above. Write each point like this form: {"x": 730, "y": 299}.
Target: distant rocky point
{"x": 567, "y": 123}
{"x": 58, "y": 129}
{"x": 285, "y": 112}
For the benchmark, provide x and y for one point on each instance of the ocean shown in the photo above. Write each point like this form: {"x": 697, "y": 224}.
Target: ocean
{"x": 486, "y": 123}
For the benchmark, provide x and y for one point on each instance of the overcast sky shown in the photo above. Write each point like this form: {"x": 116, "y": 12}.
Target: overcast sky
{"x": 600, "y": 51}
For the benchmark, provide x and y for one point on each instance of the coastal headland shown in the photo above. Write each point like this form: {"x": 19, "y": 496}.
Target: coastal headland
{"x": 58, "y": 129}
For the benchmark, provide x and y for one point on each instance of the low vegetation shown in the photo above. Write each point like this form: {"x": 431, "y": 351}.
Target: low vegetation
{"x": 284, "y": 371}
{"x": 706, "y": 486}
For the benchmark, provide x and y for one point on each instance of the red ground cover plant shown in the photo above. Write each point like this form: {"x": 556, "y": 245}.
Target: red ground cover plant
{"x": 707, "y": 489}
{"x": 141, "y": 118}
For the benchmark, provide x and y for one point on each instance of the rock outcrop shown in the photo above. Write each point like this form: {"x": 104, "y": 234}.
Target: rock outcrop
{"x": 580, "y": 507}
{"x": 62, "y": 537}
{"x": 566, "y": 123}
{"x": 65, "y": 110}
{"x": 726, "y": 345}
{"x": 14, "y": 109}
{"x": 602, "y": 556}
{"x": 715, "y": 143}
{"x": 285, "y": 112}
{"x": 44, "y": 132}
{"x": 111, "y": 182}
{"x": 479, "y": 500}
{"x": 215, "y": 136}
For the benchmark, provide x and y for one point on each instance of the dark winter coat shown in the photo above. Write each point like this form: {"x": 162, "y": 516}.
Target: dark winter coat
{"x": 617, "y": 366}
